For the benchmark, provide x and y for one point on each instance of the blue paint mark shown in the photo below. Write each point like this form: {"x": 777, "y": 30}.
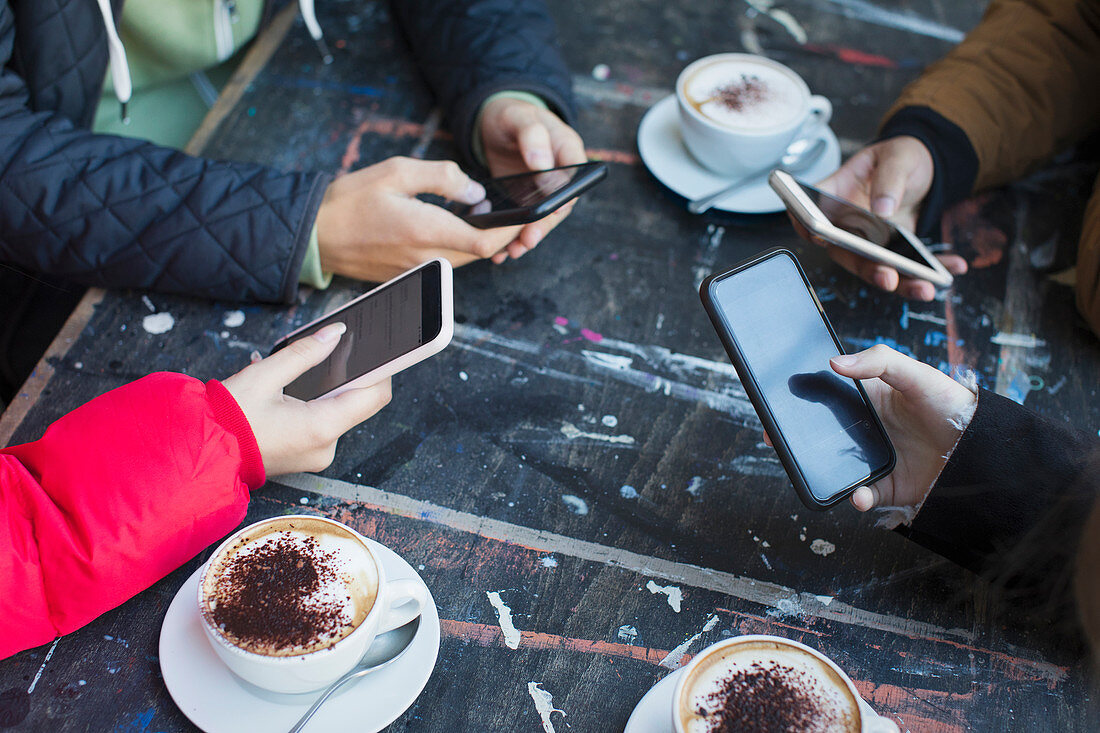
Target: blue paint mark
{"x": 905, "y": 316}
{"x": 868, "y": 343}
{"x": 935, "y": 338}
{"x": 140, "y": 723}
{"x": 458, "y": 448}
{"x": 301, "y": 83}
{"x": 826, "y": 294}
{"x": 1018, "y": 388}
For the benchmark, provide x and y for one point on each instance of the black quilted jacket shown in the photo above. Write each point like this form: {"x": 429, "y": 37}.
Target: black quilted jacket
{"x": 112, "y": 211}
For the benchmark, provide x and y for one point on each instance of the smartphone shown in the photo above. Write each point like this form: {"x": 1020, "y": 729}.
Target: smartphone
{"x": 390, "y": 328}
{"x": 846, "y": 225}
{"x": 822, "y": 425}
{"x": 527, "y": 197}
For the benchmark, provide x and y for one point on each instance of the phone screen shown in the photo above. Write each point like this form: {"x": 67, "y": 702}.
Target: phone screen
{"x": 830, "y": 430}
{"x": 381, "y": 327}
{"x": 522, "y": 191}
{"x": 862, "y": 223}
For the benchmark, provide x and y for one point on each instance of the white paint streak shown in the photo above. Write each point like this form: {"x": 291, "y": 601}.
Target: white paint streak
{"x": 822, "y": 547}
{"x": 232, "y": 319}
{"x": 576, "y": 504}
{"x": 782, "y": 17}
{"x": 148, "y": 304}
{"x": 825, "y": 600}
{"x": 707, "y": 258}
{"x": 870, "y": 13}
{"x": 42, "y": 668}
{"x": 675, "y": 595}
{"x": 627, "y": 634}
{"x": 504, "y": 617}
{"x": 549, "y": 562}
{"x": 1023, "y": 340}
{"x": 928, "y": 317}
{"x": 695, "y": 485}
{"x": 672, "y": 661}
{"x": 609, "y": 421}
{"x": 757, "y": 466}
{"x": 787, "y": 607}
{"x": 158, "y": 323}
{"x": 572, "y": 432}
{"x": 544, "y": 704}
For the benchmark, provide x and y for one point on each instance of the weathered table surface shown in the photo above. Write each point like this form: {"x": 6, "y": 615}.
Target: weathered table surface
{"x": 583, "y": 448}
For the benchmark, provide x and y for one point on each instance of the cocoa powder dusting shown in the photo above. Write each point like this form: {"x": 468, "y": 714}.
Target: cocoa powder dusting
{"x": 772, "y": 699}
{"x": 740, "y": 94}
{"x": 264, "y": 598}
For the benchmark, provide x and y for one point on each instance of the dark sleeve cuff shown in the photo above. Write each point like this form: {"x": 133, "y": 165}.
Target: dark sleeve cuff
{"x": 953, "y": 157}
{"x": 229, "y": 415}
{"x": 1011, "y": 472}
{"x": 303, "y": 235}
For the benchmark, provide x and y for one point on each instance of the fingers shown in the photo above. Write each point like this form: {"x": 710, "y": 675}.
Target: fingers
{"x": 864, "y": 498}
{"x": 534, "y": 145}
{"x": 346, "y": 410}
{"x": 895, "y": 369}
{"x": 955, "y": 265}
{"x": 881, "y": 276}
{"x": 436, "y": 228}
{"x": 889, "y": 180}
{"x": 441, "y": 177}
{"x": 287, "y": 364}
{"x": 568, "y": 146}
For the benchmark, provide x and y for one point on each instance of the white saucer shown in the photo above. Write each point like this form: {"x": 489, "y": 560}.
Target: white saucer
{"x": 653, "y": 713}
{"x": 216, "y": 701}
{"x": 663, "y": 152}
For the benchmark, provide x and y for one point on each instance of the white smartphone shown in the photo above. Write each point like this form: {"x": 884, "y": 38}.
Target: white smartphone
{"x": 390, "y": 328}
{"x": 855, "y": 229}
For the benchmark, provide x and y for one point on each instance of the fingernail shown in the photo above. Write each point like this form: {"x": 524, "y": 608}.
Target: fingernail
{"x": 844, "y": 360}
{"x": 539, "y": 160}
{"x": 884, "y": 205}
{"x": 254, "y": 357}
{"x": 536, "y": 237}
{"x": 330, "y": 333}
{"x": 474, "y": 193}
{"x": 882, "y": 280}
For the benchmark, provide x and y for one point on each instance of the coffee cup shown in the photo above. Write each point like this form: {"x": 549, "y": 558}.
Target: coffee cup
{"x": 769, "y": 679}
{"x": 739, "y": 112}
{"x": 291, "y": 603}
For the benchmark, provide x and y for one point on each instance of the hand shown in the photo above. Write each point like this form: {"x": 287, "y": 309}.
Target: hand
{"x": 517, "y": 137}
{"x": 891, "y": 179}
{"x": 293, "y": 435}
{"x": 372, "y": 227}
{"x": 924, "y": 412}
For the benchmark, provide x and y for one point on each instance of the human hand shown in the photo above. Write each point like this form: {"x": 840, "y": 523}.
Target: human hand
{"x": 372, "y": 227}
{"x": 517, "y": 137}
{"x": 293, "y": 435}
{"x": 889, "y": 178}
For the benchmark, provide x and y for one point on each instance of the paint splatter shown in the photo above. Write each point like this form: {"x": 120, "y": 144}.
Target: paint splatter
{"x": 504, "y": 617}
{"x": 591, "y": 335}
{"x": 674, "y": 594}
{"x": 609, "y": 421}
{"x": 561, "y": 321}
{"x": 825, "y": 600}
{"x": 463, "y": 376}
{"x": 695, "y": 485}
{"x": 822, "y": 547}
{"x": 572, "y": 432}
{"x": 232, "y": 319}
{"x": 158, "y": 323}
{"x": 675, "y": 657}
{"x": 601, "y": 72}
{"x": 576, "y": 504}
{"x": 628, "y": 492}
{"x": 627, "y": 634}
{"x": 549, "y": 562}
{"x": 544, "y": 704}
{"x": 1022, "y": 340}
{"x": 786, "y": 607}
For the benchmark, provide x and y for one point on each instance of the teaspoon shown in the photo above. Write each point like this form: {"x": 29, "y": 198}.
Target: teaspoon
{"x": 800, "y": 156}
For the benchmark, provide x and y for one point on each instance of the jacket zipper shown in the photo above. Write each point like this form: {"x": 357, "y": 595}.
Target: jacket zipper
{"x": 224, "y": 12}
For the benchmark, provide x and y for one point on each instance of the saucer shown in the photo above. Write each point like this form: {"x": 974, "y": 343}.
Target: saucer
{"x": 653, "y": 713}
{"x": 664, "y": 154}
{"x": 216, "y": 701}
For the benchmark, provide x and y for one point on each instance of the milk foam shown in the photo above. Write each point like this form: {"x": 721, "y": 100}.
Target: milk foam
{"x": 353, "y": 585}
{"x": 837, "y": 710}
{"x": 780, "y": 103}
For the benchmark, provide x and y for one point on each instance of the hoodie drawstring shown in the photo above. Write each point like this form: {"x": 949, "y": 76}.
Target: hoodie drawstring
{"x": 120, "y": 70}
{"x": 310, "y": 18}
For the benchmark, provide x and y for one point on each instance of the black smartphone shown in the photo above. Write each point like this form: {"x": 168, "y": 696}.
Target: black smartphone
{"x": 389, "y": 328}
{"x": 527, "y": 197}
{"x": 822, "y": 425}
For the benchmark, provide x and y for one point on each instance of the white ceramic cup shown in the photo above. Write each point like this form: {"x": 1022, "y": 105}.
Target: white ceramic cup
{"x": 731, "y": 149}
{"x": 868, "y": 720}
{"x": 396, "y": 603}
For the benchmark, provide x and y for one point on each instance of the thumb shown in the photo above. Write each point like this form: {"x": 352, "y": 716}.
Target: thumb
{"x": 298, "y": 357}
{"x": 441, "y": 177}
{"x": 535, "y": 146}
{"x": 888, "y": 183}
{"x": 896, "y": 370}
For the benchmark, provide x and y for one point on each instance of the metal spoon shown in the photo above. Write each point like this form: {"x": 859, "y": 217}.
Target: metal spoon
{"x": 800, "y": 155}
{"x": 385, "y": 649}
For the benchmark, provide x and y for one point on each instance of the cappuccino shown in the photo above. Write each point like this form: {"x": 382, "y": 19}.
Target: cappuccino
{"x": 289, "y": 587}
{"x": 764, "y": 685}
{"x": 743, "y": 95}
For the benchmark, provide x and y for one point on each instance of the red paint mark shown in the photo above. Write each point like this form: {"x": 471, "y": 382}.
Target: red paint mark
{"x": 853, "y": 56}
{"x": 592, "y": 335}
{"x": 489, "y": 635}
{"x": 988, "y": 241}
{"x": 387, "y": 127}
{"x": 561, "y": 321}
{"x": 614, "y": 156}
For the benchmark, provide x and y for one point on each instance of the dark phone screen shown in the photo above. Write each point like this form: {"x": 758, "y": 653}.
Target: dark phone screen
{"x": 829, "y": 429}
{"x": 522, "y": 191}
{"x": 862, "y": 223}
{"x": 381, "y": 327}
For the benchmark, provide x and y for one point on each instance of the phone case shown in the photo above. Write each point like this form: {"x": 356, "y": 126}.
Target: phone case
{"x": 810, "y": 216}
{"x": 756, "y": 396}
{"x": 512, "y": 217}
{"x": 437, "y": 344}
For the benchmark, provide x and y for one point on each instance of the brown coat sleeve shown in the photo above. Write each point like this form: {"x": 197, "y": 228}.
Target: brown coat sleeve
{"x": 1023, "y": 85}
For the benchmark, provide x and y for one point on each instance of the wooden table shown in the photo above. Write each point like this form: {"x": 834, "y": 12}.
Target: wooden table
{"x": 583, "y": 449}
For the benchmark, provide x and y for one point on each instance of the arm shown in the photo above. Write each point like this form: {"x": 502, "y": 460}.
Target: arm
{"x": 111, "y": 211}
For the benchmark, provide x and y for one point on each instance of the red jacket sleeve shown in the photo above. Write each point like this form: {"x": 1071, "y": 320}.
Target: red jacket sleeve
{"x": 116, "y": 495}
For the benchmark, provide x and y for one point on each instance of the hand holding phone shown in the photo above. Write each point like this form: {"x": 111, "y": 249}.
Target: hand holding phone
{"x": 823, "y": 426}
{"x": 528, "y": 197}
{"x": 389, "y": 328}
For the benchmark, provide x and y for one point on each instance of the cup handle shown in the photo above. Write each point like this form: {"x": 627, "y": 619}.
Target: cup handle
{"x": 405, "y": 600}
{"x": 821, "y": 111}
{"x": 873, "y": 722}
